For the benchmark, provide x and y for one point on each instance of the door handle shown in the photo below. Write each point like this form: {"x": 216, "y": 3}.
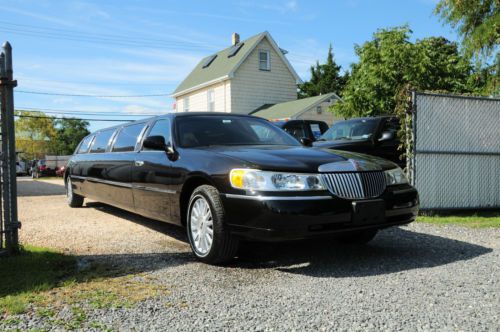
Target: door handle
{"x": 139, "y": 163}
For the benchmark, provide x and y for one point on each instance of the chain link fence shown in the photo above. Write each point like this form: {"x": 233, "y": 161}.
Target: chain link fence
{"x": 9, "y": 223}
{"x": 455, "y": 162}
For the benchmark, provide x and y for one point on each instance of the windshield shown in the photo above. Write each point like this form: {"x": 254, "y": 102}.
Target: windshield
{"x": 195, "y": 131}
{"x": 358, "y": 129}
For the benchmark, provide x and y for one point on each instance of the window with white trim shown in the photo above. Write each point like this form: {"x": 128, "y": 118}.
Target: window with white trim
{"x": 264, "y": 60}
{"x": 211, "y": 100}
{"x": 185, "y": 103}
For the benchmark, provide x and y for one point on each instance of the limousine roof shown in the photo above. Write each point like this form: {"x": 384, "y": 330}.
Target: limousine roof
{"x": 172, "y": 115}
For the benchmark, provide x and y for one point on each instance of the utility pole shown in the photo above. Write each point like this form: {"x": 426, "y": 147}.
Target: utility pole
{"x": 9, "y": 185}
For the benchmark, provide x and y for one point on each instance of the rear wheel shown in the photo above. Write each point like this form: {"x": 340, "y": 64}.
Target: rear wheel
{"x": 74, "y": 200}
{"x": 358, "y": 237}
{"x": 210, "y": 241}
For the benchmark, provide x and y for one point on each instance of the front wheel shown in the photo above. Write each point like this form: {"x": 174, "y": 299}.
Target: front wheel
{"x": 210, "y": 240}
{"x": 74, "y": 200}
{"x": 358, "y": 237}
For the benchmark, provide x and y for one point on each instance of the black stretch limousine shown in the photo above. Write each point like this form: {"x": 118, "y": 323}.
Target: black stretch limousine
{"x": 228, "y": 177}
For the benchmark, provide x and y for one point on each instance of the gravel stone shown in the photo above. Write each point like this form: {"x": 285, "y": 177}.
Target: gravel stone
{"x": 415, "y": 278}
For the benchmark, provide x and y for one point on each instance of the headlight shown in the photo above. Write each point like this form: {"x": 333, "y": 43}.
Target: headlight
{"x": 395, "y": 176}
{"x": 252, "y": 179}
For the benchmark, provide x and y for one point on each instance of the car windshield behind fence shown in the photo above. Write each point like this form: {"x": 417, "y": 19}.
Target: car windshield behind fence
{"x": 229, "y": 130}
{"x": 359, "y": 129}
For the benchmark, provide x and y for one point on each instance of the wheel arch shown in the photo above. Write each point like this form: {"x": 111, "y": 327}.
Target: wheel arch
{"x": 193, "y": 182}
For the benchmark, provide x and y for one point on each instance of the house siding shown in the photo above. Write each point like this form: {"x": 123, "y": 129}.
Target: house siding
{"x": 252, "y": 88}
{"x": 326, "y": 115}
{"x": 198, "y": 100}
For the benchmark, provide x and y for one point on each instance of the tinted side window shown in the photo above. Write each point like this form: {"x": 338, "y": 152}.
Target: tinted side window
{"x": 297, "y": 130}
{"x": 161, "y": 128}
{"x": 101, "y": 141}
{"x": 84, "y": 147}
{"x": 127, "y": 138}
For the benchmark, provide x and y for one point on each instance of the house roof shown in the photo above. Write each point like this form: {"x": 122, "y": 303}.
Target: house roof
{"x": 291, "y": 109}
{"x": 223, "y": 67}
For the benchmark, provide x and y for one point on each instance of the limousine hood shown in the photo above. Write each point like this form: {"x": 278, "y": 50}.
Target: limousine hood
{"x": 297, "y": 159}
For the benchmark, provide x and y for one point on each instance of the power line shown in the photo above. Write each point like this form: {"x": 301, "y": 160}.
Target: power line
{"x": 64, "y": 118}
{"x": 28, "y": 79}
{"x": 81, "y": 112}
{"x": 94, "y": 96}
{"x": 126, "y": 38}
{"x": 98, "y": 40}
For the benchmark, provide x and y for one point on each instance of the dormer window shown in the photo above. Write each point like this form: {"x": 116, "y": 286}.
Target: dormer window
{"x": 264, "y": 60}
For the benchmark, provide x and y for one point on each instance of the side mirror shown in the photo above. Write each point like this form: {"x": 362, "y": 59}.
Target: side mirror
{"x": 155, "y": 143}
{"x": 386, "y": 136}
{"x": 306, "y": 141}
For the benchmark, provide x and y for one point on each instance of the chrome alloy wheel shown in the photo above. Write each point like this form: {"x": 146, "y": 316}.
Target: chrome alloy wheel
{"x": 201, "y": 225}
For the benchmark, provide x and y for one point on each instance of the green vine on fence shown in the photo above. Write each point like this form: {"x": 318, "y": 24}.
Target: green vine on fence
{"x": 403, "y": 110}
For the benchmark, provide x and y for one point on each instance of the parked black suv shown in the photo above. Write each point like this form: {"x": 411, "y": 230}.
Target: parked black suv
{"x": 228, "y": 177}
{"x": 375, "y": 136}
{"x": 300, "y": 129}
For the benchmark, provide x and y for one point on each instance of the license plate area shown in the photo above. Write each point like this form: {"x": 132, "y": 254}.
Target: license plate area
{"x": 368, "y": 212}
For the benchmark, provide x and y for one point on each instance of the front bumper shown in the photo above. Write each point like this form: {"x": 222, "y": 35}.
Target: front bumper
{"x": 275, "y": 218}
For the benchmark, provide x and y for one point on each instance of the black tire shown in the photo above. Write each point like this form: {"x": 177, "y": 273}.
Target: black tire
{"x": 358, "y": 237}
{"x": 73, "y": 200}
{"x": 224, "y": 245}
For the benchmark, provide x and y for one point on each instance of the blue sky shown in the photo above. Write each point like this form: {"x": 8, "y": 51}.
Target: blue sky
{"x": 132, "y": 47}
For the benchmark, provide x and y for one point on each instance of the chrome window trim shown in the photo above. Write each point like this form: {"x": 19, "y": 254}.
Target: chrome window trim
{"x": 123, "y": 184}
{"x": 113, "y": 183}
{"x": 158, "y": 190}
{"x": 279, "y": 198}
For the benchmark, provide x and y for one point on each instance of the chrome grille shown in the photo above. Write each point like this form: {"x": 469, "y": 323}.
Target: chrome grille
{"x": 355, "y": 185}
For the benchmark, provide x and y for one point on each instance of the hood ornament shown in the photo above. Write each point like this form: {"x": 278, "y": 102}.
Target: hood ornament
{"x": 349, "y": 165}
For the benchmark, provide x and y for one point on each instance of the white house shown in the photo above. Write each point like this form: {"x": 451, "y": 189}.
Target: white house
{"x": 248, "y": 76}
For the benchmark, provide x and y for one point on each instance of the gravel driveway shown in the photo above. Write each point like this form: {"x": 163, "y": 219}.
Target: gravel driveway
{"x": 420, "y": 277}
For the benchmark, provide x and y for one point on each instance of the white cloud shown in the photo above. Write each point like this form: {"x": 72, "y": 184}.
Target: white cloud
{"x": 282, "y": 7}
{"x": 88, "y": 10}
{"x": 292, "y": 5}
{"x": 42, "y": 17}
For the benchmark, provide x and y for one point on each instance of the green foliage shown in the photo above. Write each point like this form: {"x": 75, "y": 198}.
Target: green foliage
{"x": 69, "y": 132}
{"x": 477, "y": 21}
{"x": 34, "y": 134}
{"x": 38, "y": 134}
{"x": 390, "y": 65}
{"x": 325, "y": 78}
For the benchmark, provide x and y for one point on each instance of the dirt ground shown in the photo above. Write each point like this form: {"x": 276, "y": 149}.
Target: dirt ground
{"x": 419, "y": 277}
{"x": 94, "y": 229}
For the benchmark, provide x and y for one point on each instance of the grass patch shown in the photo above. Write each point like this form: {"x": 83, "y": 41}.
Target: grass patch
{"x": 32, "y": 271}
{"x": 475, "y": 220}
{"x": 47, "y": 281}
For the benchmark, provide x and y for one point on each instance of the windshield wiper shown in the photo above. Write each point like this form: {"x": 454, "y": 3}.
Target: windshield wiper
{"x": 339, "y": 138}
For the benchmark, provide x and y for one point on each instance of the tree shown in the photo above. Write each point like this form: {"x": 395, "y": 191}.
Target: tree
{"x": 69, "y": 132}
{"x": 325, "y": 78}
{"x": 390, "y": 63}
{"x": 34, "y": 133}
{"x": 476, "y": 21}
